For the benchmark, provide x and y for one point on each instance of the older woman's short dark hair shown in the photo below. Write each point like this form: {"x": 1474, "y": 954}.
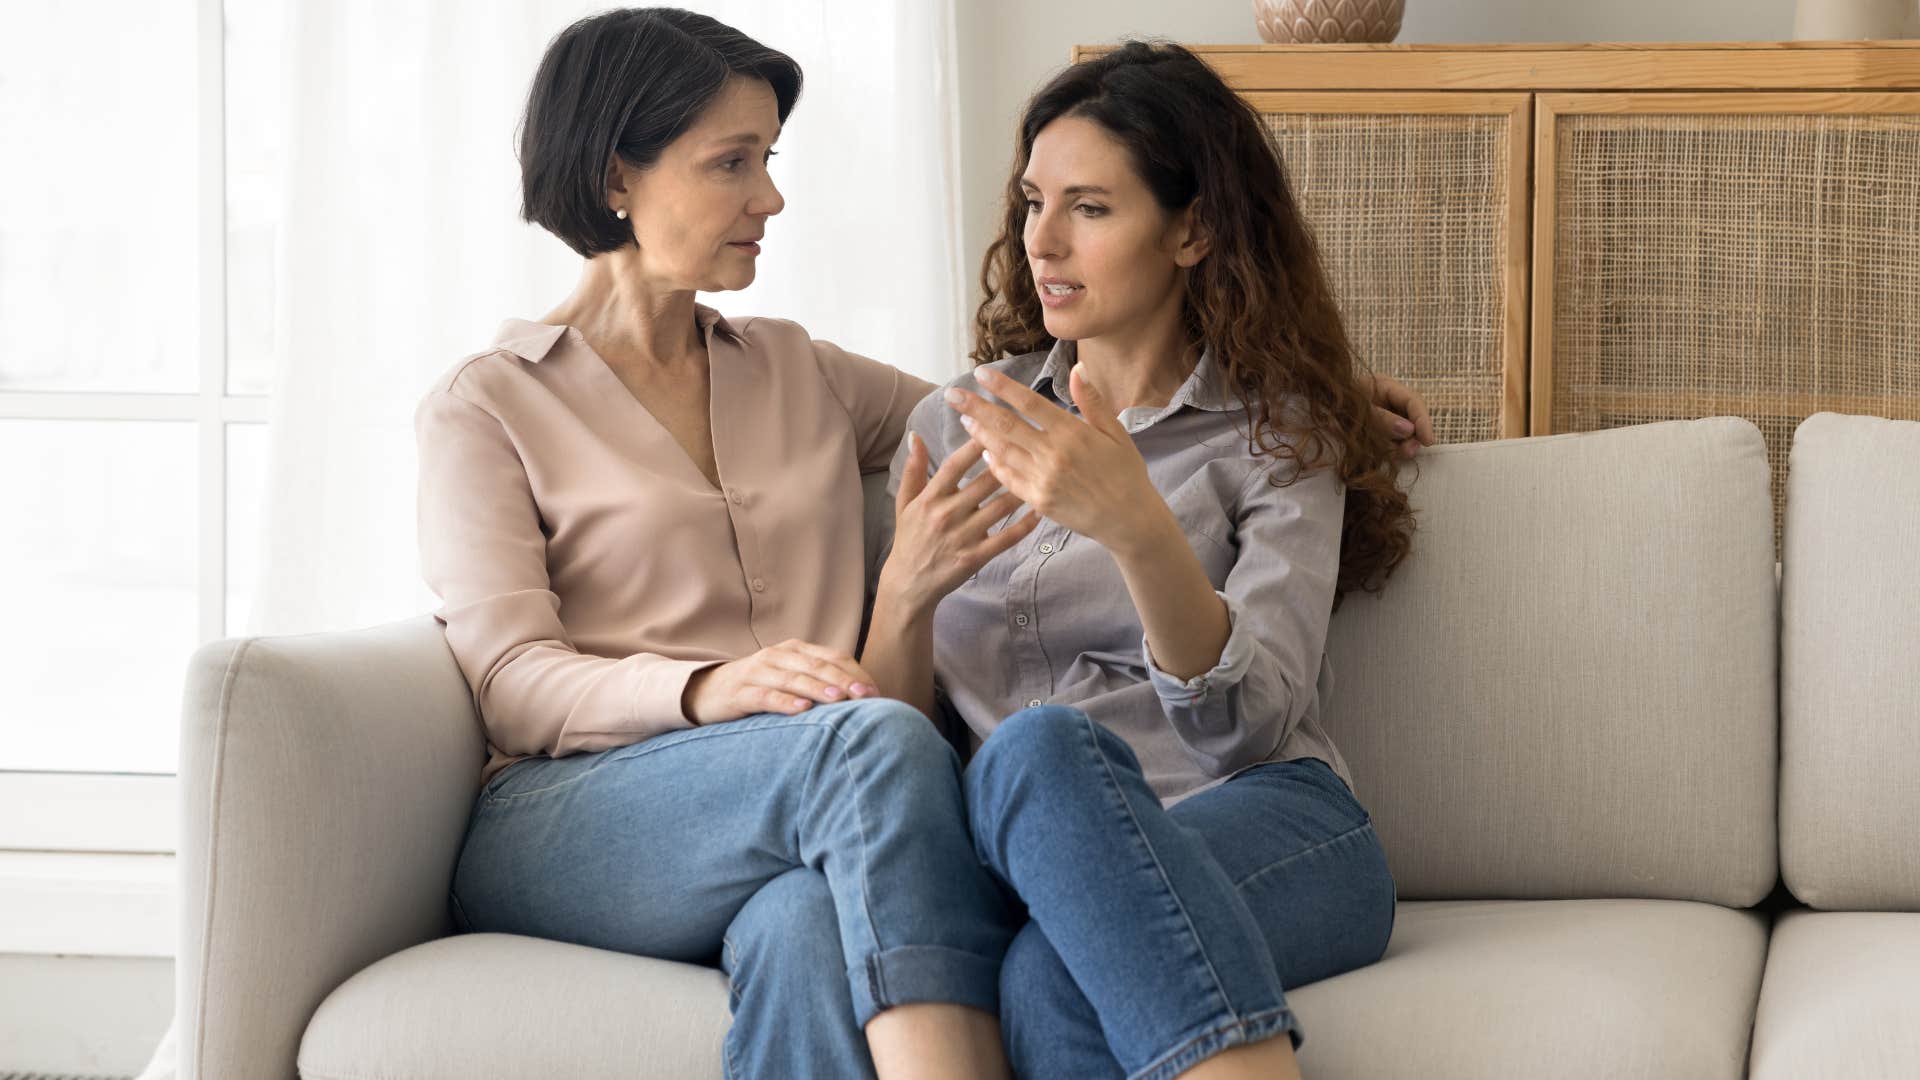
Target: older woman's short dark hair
{"x": 625, "y": 82}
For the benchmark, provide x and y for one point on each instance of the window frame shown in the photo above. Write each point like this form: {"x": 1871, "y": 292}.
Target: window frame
{"x": 123, "y": 813}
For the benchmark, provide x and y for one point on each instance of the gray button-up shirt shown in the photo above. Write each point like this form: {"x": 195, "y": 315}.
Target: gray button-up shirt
{"x": 1050, "y": 621}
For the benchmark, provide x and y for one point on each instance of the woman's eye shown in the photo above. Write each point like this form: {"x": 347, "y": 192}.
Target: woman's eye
{"x": 1033, "y": 206}
{"x": 733, "y": 164}
{"x": 1091, "y": 210}
{"x": 771, "y": 154}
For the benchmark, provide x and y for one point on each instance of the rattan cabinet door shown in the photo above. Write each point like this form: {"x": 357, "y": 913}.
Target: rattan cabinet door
{"x": 1420, "y": 205}
{"x": 1743, "y": 254}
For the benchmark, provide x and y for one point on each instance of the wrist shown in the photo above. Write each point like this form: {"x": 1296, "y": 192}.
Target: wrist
{"x": 901, "y": 599}
{"x": 1147, "y": 534}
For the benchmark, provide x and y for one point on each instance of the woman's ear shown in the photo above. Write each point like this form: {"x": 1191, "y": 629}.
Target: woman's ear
{"x": 616, "y": 183}
{"x": 1191, "y": 241}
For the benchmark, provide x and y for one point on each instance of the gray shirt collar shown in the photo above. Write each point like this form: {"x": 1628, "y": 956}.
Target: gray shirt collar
{"x": 1205, "y": 388}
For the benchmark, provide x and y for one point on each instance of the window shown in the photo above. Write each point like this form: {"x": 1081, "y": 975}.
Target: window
{"x": 138, "y": 223}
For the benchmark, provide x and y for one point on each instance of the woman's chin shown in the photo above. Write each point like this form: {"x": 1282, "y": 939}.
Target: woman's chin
{"x": 1060, "y": 326}
{"x": 729, "y": 281}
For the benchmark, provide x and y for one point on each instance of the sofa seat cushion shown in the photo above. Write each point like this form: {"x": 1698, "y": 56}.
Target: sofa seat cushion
{"x": 1543, "y": 989}
{"x": 504, "y": 1006}
{"x": 1563, "y": 988}
{"x": 1841, "y": 998}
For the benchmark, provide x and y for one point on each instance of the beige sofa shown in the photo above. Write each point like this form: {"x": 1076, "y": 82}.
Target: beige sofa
{"x": 1596, "y": 735}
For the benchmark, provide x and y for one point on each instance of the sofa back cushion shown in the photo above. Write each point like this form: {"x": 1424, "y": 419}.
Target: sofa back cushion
{"x": 1850, "y": 665}
{"x": 1568, "y": 688}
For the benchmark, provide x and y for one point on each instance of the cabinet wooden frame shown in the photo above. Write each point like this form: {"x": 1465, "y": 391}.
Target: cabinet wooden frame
{"x": 1549, "y": 109}
{"x": 1516, "y": 112}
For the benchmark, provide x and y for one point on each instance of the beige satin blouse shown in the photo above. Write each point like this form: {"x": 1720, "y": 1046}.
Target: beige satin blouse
{"x": 586, "y": 567}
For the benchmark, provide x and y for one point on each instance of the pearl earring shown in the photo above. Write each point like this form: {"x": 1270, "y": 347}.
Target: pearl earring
{"x": 621, "y": 213}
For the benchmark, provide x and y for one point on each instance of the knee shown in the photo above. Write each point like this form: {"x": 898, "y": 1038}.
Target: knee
{"x": 1033, "y": 978}
{"x": 894, "y": 732}
{"x": 1042, "y": 739}
{"x": 787, "y": 935}
{"x": 1052, "y": 745}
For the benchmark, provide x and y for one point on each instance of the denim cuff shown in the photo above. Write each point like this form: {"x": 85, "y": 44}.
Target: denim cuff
{"x": 1192, "y": 1051}
{"x": 925, "y": 973}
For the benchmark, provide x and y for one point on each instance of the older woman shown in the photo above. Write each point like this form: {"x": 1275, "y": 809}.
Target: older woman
{"x": 642, "y": 518}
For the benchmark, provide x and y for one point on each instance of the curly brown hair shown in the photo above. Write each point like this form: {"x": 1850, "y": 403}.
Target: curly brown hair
{"x": 1260, "y": 298}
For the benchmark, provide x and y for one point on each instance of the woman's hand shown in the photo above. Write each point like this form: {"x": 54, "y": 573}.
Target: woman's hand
{"x": 1083, "y": 472}
{"x": 789, "y": 678}
{"x": 1401, "y": 414}
{"x": 940, "y": 535}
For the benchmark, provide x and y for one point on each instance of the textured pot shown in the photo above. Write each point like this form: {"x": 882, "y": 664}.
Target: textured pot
{"x": 1303, "y": 22}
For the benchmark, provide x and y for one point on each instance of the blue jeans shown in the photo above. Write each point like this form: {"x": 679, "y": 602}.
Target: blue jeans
{"x": 1158, "y": 938}
{"x": 780, "y": 847}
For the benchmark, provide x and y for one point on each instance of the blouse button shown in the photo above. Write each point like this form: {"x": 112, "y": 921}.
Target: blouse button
{"x": 1046, "y": 549}
{"x": 759, "y": 584}
{"x": 1034, "y": 704}
{"x": 734, "y": 496}
{"x": 1019, "y": 620}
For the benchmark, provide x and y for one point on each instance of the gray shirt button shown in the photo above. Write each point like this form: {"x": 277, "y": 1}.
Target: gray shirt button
{"x": 1019, "y": 620}
{"x": 1034, "y": 704}
{"x": 1046, "y": 549}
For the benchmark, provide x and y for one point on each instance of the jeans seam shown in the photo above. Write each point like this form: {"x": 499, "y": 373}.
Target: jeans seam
{"x": 1199, "y": 946}
{"x": 860, "y": 823}
{"x": 1364, "y": 826}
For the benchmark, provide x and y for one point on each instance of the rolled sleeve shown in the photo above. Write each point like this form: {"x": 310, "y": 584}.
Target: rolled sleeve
{"x": 1279, "y": 597}
{"x": 1208, "y": 687}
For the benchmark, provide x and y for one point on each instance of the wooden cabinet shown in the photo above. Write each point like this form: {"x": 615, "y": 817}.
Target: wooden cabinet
{"x": 1549, "y": 239}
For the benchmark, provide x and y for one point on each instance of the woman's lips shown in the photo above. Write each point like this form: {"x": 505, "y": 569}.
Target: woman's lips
{"x": 1058, "y": 294}
{"x": 748, "y": 246}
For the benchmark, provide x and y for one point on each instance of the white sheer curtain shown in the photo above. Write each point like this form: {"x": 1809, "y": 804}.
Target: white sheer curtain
{"x": 400, "y": 248}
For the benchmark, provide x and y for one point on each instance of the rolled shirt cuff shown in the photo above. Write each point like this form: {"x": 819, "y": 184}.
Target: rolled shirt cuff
{"x": 1235, "y": 657}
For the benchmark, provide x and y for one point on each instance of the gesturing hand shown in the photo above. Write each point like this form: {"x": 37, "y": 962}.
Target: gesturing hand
{"x": 1083, "y": 472}
{"x": 940, "y": 535}
{"x": 790, "y": 677}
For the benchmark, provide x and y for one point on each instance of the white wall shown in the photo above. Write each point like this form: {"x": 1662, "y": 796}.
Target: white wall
{"x": 1009, "y": 47}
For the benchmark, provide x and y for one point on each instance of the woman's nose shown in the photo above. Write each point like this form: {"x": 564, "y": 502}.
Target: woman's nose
{"x": 768, "y": 201}
{"x": 1043, "y": 235}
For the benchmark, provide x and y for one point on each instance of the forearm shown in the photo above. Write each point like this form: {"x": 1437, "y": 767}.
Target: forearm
{"x": 1185, "y": 620}
{"x": 899, "y": 649}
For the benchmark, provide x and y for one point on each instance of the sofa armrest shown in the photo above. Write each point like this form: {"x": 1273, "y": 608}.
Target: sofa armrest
{"x": 325, "y": 783}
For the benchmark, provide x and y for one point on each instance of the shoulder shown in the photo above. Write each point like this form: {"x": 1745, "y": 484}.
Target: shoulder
{"x": 786, "y": 341}
{"x": 479, "y": 379}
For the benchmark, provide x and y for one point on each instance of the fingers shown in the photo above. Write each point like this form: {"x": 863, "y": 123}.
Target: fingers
{"x": 946, "y": 479}
{"x": 1399, "y": 398}
{"x": 993, "y": 510}
{"x": 833, "y": 670}
{"x": 997, "y": 449}
{"x": 1007, "y": 537}
{"x": 913, "y": 474}
{"x": 980, "y": 416}
{"x": 1021, "y": 399}
{"x": 1395, "y": 426}
{"x": 1093, "y": 405}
